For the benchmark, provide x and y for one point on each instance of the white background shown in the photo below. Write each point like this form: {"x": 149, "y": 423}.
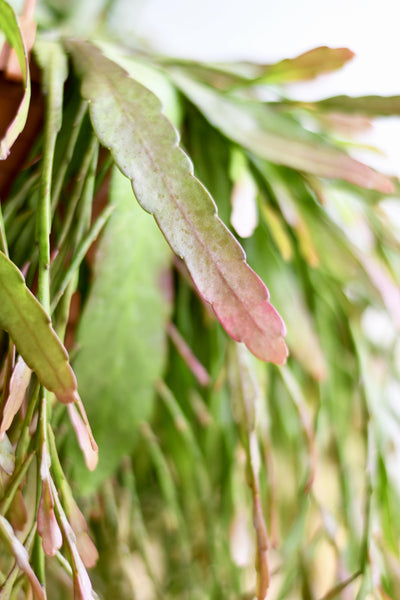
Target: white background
{"x": 266, "y": 31}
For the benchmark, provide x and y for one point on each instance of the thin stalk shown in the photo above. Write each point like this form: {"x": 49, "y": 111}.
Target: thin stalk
{"x": 15, "y": 203}
{"x": 53, "y": 82}
{"x": 44, "y": 219}
{"x": 3, "y": 239}
{"x": 24, "y": 438}
{"x": 168, "y": 489}
{"x": 84, "y": 212}
{"x": 7, "y": 375}
{"x": 87, "y": 162}
{"x": 14, "y": 483}
{"x": 81, "y": 253}
{"x": 62, "y": 169}
{"x": 141, "y": 536}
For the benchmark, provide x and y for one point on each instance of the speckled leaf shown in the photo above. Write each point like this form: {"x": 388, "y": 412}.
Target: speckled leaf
{"x": 122, "y": 334}
{"x": 9, "y": 25}
{"x": 30, "y": 328}
{"x": 128, "y": 120}
{"x": 277, "y": 138}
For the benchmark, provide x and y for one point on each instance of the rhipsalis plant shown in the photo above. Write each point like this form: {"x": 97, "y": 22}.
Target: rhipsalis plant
{"x": 165, "y": 430}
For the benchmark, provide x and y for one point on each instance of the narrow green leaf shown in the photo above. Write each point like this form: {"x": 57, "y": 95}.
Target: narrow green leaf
{"x": 30, "y": 328}
{"x": 128, "y": 120}
{"x": 122, "y": 337}
{"x": 9, "y": 25}
{"x": 302, "y": 338}
{"x": 372, "y": 106}
{"x": 277, "y": 138}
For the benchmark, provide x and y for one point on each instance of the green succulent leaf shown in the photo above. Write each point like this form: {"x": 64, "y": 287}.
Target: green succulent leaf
{"x": 29, "y": 326}
{"x": 128, "y": 120}
{"x": 9, "y": 25}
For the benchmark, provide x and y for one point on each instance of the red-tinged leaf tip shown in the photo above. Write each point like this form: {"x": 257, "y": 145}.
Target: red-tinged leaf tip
{"x": 86, "y": 548}
{"x": 83, "y": 589}
{"x": 47, "y": 525}
{"x": 68, "y": 395}
{"x": 84, "y": 434}
{"x": 250, "y": 318}
{"x": 18, "y": 385}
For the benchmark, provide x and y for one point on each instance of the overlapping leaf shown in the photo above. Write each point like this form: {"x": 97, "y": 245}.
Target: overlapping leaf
{"x": 9, "y": 25}
{"x": 128, "y": 120}
{"x": 29, "y": 326}
{"x": 277, "y": 138}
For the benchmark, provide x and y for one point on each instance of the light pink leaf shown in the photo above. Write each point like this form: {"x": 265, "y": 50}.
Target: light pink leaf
{"x": 128, "y": 120}
{"x": 83, "y": 589}
{"x": 47, "y": 525}
{"x": 7, "y": 455}
{"x": 21, "y": 557}
{"x": 86, "y": 548}
{"x": 18, "y": 385}
{"x": 84, "y": 434}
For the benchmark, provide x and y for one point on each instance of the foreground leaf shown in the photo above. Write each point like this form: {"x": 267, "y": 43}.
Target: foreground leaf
{"x": 278, "y": 138}
{"x": 9, "y": 25}
{"x": 122, "y": 336}
{"x": 30, "y": 328}
{"x": 128, "y": 120}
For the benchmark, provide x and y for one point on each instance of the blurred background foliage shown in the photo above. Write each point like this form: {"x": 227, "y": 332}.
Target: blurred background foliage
{"x": 197, "y": 438}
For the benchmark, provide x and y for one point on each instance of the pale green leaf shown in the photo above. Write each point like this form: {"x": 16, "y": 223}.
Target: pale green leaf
{"x": 128, "y": 120}
{"x": 121, "y": 336}
{"x": 54, "y": 65}
{"x": 30, "y": 328}
{"x": 9, "y": 25}
{"x": 372, "y": 106}
{"x": 276, "y": 137}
